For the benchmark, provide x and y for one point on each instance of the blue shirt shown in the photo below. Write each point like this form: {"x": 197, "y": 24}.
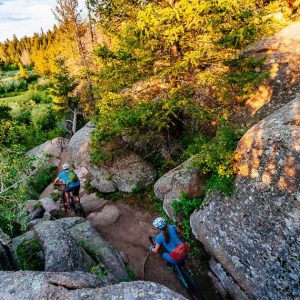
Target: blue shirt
{"x": 174, "y": 239}
{"x": 64, "y": 176}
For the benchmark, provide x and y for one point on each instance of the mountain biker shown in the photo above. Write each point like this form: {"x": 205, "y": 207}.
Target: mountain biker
{"x": 175, "y": 250}
{"x": 70, "y": 179}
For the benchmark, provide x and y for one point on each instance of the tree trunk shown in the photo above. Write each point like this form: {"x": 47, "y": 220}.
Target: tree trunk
{"x": 74, "y": 123}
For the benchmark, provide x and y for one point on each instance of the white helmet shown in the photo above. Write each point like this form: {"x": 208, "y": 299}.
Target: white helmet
{"x": 66, "y": 166}
{"x": 160, "y": 223}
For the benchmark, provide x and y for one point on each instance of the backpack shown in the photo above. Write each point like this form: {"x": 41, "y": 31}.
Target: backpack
{"x": 180, "y": 252}
{"x": 72, "y": 176}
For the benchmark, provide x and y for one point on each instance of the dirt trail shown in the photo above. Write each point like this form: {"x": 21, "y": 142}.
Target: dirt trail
{"x": 130, "y": 235}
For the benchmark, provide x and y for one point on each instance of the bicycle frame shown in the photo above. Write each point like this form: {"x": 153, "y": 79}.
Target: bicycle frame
{"x": 177, "y": 268}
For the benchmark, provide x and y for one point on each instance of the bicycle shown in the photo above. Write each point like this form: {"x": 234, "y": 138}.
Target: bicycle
{"x": 76, "y": 206}
{"x": 185, "y": 277}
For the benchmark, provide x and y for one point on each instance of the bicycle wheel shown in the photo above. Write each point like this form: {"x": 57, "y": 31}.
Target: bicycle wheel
{"x": 190, "y": 284}
{"x": 78, "y": 209}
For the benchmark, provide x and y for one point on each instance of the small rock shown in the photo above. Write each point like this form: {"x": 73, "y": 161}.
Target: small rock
{"x": 49, "y": 204}
{"x": 108, "y": 216}
{"x": 30, "y": 205}
{"x": 37, "y": 213}
{"x": 91, "y": 203}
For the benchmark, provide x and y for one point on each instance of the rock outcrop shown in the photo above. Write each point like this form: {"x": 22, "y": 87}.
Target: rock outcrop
{"x": 50, "y": 150}
{"x": 282, "y": 52}
{"x": 184, "y": 178}
{"x": 101, "y": 180}
{"x": 130, "y": 170}
{"x": 76, "y": 286}
{"x": 62, "y": 253}
{"x": 49, "y": 205}
{"x": 101, "y": 251}
{"x": 126, "y": 173}
{"x": 255, "y": 233}
{"x": 46, "y": 285}
{"x": 79, "y": 147}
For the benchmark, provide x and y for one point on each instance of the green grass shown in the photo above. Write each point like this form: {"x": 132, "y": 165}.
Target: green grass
{"x": 28, "y": 256}
{"x": 15, "y": 102}
{"x": 8, "y": 74}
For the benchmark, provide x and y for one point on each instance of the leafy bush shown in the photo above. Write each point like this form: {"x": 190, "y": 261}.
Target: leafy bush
{"x": 21, "y": 179}
{"x": 5, "y": 112}
{"x": 183, "y": 208}
{"x": 215, "y": 157}
{"x": 36, "y": 184}
{"x": 99, "y": 270}
{"x": 43, "y": 117}
{"x": 124, "y": 121}
{"x": 41, "y": 84}
{"x": 12, "y": 85}
{"x": 29, "y": 256}
{"x": 243, "y": 77}
{"x": 22, "y": 116}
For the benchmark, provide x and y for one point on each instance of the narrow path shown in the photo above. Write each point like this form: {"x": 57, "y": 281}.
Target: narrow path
{"x": 130, "y": 235}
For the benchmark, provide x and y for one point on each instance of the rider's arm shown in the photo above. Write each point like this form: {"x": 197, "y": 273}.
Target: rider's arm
{"x": 156, "y": 248}
{"x": 56, "y": 180}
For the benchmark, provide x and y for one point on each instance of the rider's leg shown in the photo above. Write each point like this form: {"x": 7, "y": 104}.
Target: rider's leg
{"x": 171, "y": 261}
{"x": 67, "y": 194}
{"x": 76, "y": 193}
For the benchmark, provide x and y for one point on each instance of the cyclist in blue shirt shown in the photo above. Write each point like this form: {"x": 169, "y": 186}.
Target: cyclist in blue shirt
{"x": 70, "y": 179}
{"x": 168, "y": 240}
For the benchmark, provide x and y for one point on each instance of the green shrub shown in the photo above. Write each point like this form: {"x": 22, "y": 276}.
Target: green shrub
{"x": 13, "y": 85}
{"x": 245, "y": 74}
{"x": 38, "y": 97}
{"x": 5, "y": 112}
{"x": 99, "y": 270}
{"x": 40, "y": 181}
{"x": 29, "y": 256}
{"x": 43, "y": 117}
{"x": 22, "y": 116}
{"x": 41, "y": 84}
{"x": 131, "y": 275}
{"x": 183, "y": 208}
{"x": 150, "y": 123}
{"x": 215, "y": 157}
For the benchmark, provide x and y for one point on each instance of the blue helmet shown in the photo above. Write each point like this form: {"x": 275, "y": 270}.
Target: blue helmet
{"x": 160, "y": 223}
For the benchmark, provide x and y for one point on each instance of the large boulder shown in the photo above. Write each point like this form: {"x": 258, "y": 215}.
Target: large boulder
{"x": 77, "y": 286}
{"x": 282, "y": 53}
{"x": 51, "y": 149}
{"x": 254, "y": 234}
{"x": 62, "y": 253}
{"x": 101, "y": 251}
{"x": 47, "y": 285}
{"x": 184, "y": 178}
{"x": 49, "y": 205}
{"x": 79, "y": 147}
{"x": 125, "y": 173}
{"x": 136, "y": 290}
{"x": 15, "y": 243}
{"x": 130, "y": 170}
{"x": 101, "y": 180}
